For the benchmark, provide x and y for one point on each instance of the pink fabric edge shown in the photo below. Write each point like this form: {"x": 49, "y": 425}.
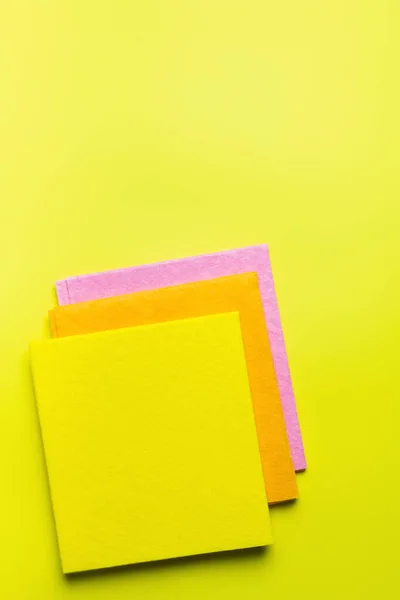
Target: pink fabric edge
{"x": 207, "y": 266}
{"x": 62, "y": 292}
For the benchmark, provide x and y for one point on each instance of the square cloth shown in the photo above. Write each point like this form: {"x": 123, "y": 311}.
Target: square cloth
{"x": 235, "y": 293}
{"x": 150, "y": 442}
{"x": 194, "y": 268}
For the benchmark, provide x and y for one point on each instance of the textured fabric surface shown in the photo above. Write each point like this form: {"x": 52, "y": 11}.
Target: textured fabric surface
{"x": 175, "y": 272}
{"x": 232, "y": 293}
{"x": 150, "y": 442}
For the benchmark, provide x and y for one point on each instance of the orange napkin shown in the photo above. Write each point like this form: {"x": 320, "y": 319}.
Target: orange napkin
{"x": 226, "y": 294}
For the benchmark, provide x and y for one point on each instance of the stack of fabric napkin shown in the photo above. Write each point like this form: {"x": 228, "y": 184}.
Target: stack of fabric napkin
{"x": 166, "y": 409}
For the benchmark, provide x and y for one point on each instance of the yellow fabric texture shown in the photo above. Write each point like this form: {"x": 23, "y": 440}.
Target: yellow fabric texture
{"x": 234, "y": 293}
{"x": 150, "y": 442}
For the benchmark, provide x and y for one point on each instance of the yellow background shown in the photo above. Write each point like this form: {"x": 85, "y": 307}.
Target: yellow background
{"x": 139, "y": 131}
